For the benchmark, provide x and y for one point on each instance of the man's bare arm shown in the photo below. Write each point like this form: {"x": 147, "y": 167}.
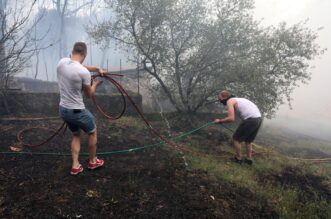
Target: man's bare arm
{"x": 231, "y": 114}
{"x": 95, "y": 69}
{"x": 89, "y": 90}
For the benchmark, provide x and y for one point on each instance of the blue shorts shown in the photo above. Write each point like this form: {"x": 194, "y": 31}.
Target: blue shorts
{"x": 78, "y": 119}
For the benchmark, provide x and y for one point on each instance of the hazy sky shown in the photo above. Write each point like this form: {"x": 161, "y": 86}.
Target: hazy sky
{"x": 312, "y": 102}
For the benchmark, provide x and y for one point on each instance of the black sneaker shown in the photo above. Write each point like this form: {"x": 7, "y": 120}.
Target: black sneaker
{"x": 236, "y": 160}
{"x": 249, "y": 162}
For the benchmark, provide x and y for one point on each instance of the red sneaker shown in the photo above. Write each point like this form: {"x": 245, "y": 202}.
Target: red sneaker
{"x": 75, "y": 171}
{"x": 96, "y": 164}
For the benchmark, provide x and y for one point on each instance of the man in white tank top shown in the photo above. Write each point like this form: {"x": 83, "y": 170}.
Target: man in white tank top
{"x": 249, "y": 127}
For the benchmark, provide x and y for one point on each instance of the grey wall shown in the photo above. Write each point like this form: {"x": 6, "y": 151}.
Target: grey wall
{"x": 46, "y": 104}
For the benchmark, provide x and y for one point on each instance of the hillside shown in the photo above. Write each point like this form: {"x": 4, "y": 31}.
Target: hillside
{"x": 158, "y": 182}
{"x": 294, "y": 143}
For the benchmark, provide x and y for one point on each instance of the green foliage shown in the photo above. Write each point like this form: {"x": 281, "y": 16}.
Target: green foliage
{"x": 193, "y": 48}
{"x": 285, "y": 199}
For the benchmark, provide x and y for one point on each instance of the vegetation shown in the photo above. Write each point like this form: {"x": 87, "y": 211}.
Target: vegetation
{"x": 296, "y": 189}
{"x": 210, "y": 184}
{"x": 294, "y": 144}
{"x": 192, "y": 49}
{"x": 18, "y": 41}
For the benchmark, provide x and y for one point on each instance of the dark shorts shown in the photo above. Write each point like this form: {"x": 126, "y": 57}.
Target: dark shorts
{"x": 247, "y": 130}
{"x": 78, "y": 119}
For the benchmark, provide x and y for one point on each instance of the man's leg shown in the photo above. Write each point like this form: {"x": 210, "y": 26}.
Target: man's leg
{"x": 249, "y": 150}
{"x": 75, "y": 149}
{"x": 253, "y": 130}
{"x": 89, "y": 127}
{"x": 237, "y": 147}
{"x": 238, "y": 137}
{"x": 92, "y": 146}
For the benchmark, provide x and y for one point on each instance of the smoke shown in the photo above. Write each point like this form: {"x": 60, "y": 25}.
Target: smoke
{"x": 310, "y": 113}
{"x": 48, "y": 31}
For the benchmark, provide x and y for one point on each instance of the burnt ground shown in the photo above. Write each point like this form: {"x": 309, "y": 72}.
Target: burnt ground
{"x": 312, "y": 186}
{"x": 154, "y": 183}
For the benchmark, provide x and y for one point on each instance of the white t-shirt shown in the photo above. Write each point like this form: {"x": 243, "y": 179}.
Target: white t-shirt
{"x": 247, "y": 109}
{"x": 71, "y": 76}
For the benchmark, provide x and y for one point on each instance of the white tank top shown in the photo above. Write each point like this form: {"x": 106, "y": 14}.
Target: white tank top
{"x": 246, "y": 109}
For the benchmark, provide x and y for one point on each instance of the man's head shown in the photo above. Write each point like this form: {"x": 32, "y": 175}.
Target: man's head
{"x": 79, "y": 51}
{"x": 224, "y": 96}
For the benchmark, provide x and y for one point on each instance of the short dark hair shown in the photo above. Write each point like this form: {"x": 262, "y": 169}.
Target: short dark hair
{"x": 80, "y": 48}
{"x": 225, "y": 94}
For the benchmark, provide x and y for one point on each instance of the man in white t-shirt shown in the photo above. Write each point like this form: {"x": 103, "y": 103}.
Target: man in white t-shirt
{"x": 249, "y": 127}
{"x": 73, "y": 79}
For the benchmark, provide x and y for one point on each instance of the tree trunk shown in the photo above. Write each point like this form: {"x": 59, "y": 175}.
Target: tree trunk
{"x": 3, "y": 67}
{"x": 4, "y": 101}
{"x": 3, "y": 24}
{"x": 61, "y": 11}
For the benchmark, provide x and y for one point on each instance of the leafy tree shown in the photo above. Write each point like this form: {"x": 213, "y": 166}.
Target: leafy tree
{"x": 194, "y": 48}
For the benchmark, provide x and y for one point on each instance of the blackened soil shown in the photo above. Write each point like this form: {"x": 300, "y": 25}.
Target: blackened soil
{"x": 312, "y": 187}
{"x": 154, "y": 183}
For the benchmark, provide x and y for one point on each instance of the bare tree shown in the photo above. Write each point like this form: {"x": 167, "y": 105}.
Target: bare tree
{"x": 65, "y": 9}
{"x": 17, "y": 43}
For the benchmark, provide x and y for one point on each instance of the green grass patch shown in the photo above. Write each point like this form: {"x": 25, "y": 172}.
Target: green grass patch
{"x": 285, "y": 199}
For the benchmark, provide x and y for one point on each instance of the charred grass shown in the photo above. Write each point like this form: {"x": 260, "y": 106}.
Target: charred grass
{"x": 156, "y": 182}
